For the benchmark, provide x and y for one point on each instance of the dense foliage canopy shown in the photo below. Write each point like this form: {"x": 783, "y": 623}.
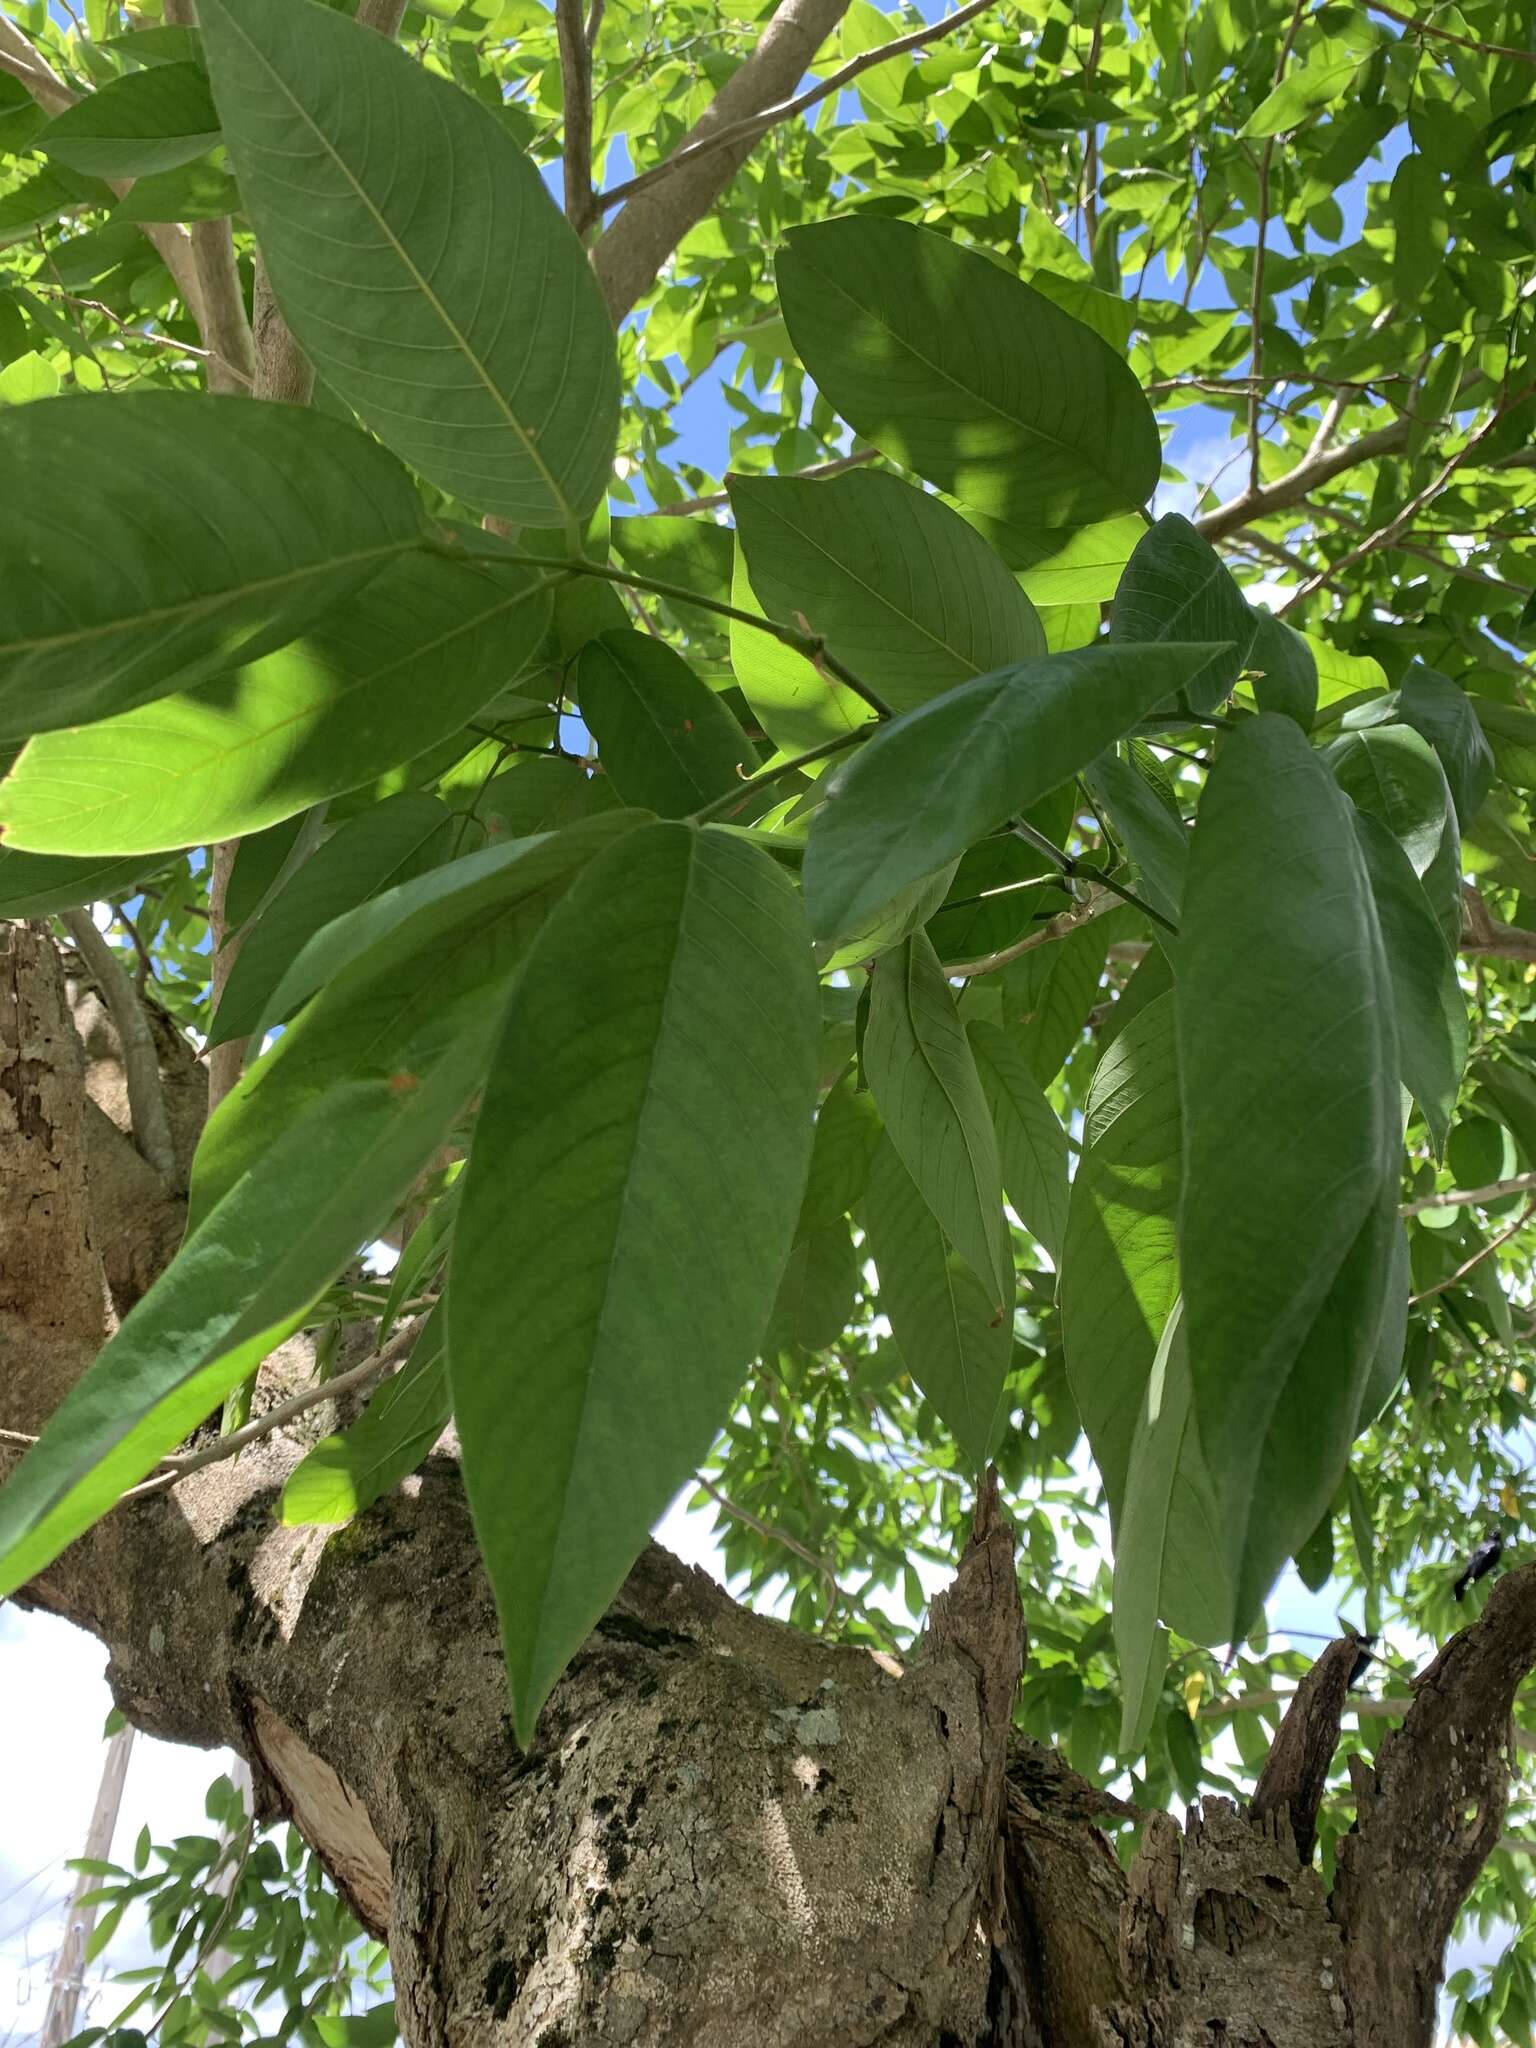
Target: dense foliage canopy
{"x": 907, "y": 953}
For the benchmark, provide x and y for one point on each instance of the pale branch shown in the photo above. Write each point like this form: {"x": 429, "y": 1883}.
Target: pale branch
{"x": 753, "y": 126}
{"x": 223, "y": 322}
{"x": 594, "y": 23}
{"x": 141, "y": 1059}
{"x": 1297, "y": 484}
{"x": 1448, "y": 35}
{"x": 629, "y": 256}
{"x": 20, "y": 56}
{"x": 1471, "y": 1198}
{"x": 576, "y": 80}
{"x": 1477, "y": 1257}
{"x": 1060, "y": 927}
{"x": 715, "y": 500}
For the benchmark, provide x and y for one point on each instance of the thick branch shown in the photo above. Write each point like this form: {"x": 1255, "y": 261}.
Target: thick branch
{"x": 1295, "y": 1772}
{"x": 1428, "y": 1816}
{"x": 1298, "y": 484}
{"x": 141, "y": 1059}
{"x": 630, "y": 255}
{"x": 576, "y": 79}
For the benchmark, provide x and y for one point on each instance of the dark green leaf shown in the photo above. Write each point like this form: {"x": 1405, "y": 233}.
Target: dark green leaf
{"x": 136, "y": 125}
{"x": 1176, "y": 587}
{"x": 693, "y": 553}
{"x": 1049, "y": 993}
{"x": 847, "y": 1132}
{"x": 36, "y": 884}
{"x": 927, "y": 784}
{"x": 1149, "y": 831}
{"x": 816, "y": 1296}
{"x": 922, "y": 1075}
{"x": 1031, "y": 1144}
{"x": 1443, "y": 712}
{"x": 904, "y": 592}
{"x": 418, "y": 259}
{"x": 954, "y": 1342}
{"x": 1394, "y": 776}
{"x": 666, "y": 741}
{"x": 150, "y": 538}
{"x": 1285, "y": 670}
{"x": 632, "y": 1191}
{"x": 965, "y": 374}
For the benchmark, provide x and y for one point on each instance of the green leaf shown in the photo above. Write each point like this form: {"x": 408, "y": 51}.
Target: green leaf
{"x": 386, "y": 845}
{"x": 953, "y": 1341}
{"x": 632, "y": 1191}
{"x": 847, "y": 1132}
{"x": 1443, "y": 713}
{"x": 345, "y": 1474}
{"x": 418, "y": 259}
{"x": 817, "y": 1294}
{"x": 921, "y": 1072}
{"x": 1285, "y": 669}
{"x": 1314, "y": 84}
{"x": 904, "y": 592}
{"x": 380, "y": 678}
{"x": 1417, "y": 207}
{"x": 196, "y": 191}
{"x": 1291, "y": 1133}
{"x": 1176, "y": 587}
{"x": 136, "y": 125}
{"x": 1151, "y": 834}
{"x": 1031, "y": 1144}
{"x": 1428, "y": 1006}
{"x": 1393, "y": 775}
{"x": 37, "y": 884}
{"x": 1120, "y": 1262}
{"x": 43, "y": 197}
{"x": 693, "y": 553}
{"x": 1050, "y": 991}
{"x": 666, "y": 741}
{"x": 1065, "y": 565}
{"x": 929, "y": 783}
{"x": 241, "y": 1282}
{"x": 966, "y": 375}
{"x": 151, "y": 538}
{"x": 797, "y": 705}
{"x": 1167, "y": 1546}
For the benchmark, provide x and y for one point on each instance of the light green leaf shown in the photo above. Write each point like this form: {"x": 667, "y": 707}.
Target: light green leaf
{"x": 1065, "y": 565}
{"x": 1176, "y": 587}
{"x": 407, "y": 660}
{"x": 345, "y": 1474}
{"x": 151, "y": 538}
{"x": 927, "y": 784}
{"x": 136, "y": 125}
{"x": 797, "y": 705}
{"x": 923, "y": 1077}
{"x": 1031, "y": 1144}
{"x": 1120, "y": 1261}
{"x": 632, "y": 1191}
{"x": 418, "y": 259}
{"x": 241, "y": 1282}
{"x": 692, "y": 553}
{"x": 954, "y": 1342}
{"x": 196, "y": 191}
{"x": 1343, "y": 680}
{"x": 666, "y": 741}
{"x": 386, "y": 845}
{"x": 1319, "y": 81}
{"x": 1289, "y": 1086}
{"x": 1429, "y": 1008}
{"x": 1421, "y": 227}
{"x": 903, "y": 590}
{"x": 965, "y": 374}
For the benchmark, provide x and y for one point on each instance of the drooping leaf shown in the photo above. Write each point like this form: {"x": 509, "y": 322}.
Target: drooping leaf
{"x": 1176, "y": 587}
{"x": 929, "y": 783}
{"x": 137, "y": 125}
{"x": 847, "y": 1132}
{"x": 241, "y": 1282}
{"x": 636, "y": 1174}
{"x": 346, "y": 1473}
{"x": 414, "y": 654}
{"x": 1048, "y": 994}
{"x": 1394, "y": 776}
{"x": 418, "y": 259}
{"x": 1443, "y": 712}
{"x": 1428, "y": 1007}
{"x": 150, "y": 538}
{"x": 387, "y": 845}
{"x": 1148, "y": 829}
{"x": 1420, "y": 220}
{"x": 923, "y": 1077}
{"x": 1285, "y": 669}
{"x": 1120, "y": 1261}
{"x": 966, "y": 375}
{"x": 666, "y": 741}
{"x": 904, "y": 592}
{"x": 1288, "y": 1083}
{"x": 953, "y": 1340}
{"x": 1031, "y": 1144}
{"x": 818, "y": 1290}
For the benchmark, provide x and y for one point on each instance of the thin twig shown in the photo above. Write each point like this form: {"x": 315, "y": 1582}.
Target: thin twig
{"x": 684, "y": 507}
{"x": 786, "y": 110}
{"x": 1447, "y": 35}
{"x": 1471, "y": 1198}
{"x": 141, "y": 1057}
{"x": 871, "y": 1617}
{"x": 1477, "y": 1257}
{"x": 1059, "y": 927}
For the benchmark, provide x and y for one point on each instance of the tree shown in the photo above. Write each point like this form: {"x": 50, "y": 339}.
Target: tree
{"x": 900, "y": 987}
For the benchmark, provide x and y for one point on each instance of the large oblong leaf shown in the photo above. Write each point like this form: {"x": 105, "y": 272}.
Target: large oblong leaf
{"x": 928, "y": 784}
{"x": 922, "y": 1074}
{"x": 664, "y": 738}
{"x": 953, "y": 1341}
{"x": 1289, "y": 1087}
{"x": 904, "y": 592}
{"x": 419, "y": 260}
{"x": 1176, "y": 587}
{"x": 630, "y": 1200}
{"x": 400, "y": 665}
{"x": 965, "y": 374}
{"x": 1031, "y": 1144}
{"x": 137, "y": 125}
{"x": 150, "y": 538}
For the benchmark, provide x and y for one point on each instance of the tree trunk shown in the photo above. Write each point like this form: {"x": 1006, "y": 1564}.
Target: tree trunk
{"x": 725, "y": 1831}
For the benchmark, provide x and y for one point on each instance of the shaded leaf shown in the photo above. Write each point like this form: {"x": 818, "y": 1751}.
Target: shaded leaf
{"x": 137, "y": 125}
{"x": 666, "y": 741}
{"x": 1176, "y": 587}
{"x": 1031, "y": 1144}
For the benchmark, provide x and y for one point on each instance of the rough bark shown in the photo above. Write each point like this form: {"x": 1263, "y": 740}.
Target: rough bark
{"x": 724, "y": 1831}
